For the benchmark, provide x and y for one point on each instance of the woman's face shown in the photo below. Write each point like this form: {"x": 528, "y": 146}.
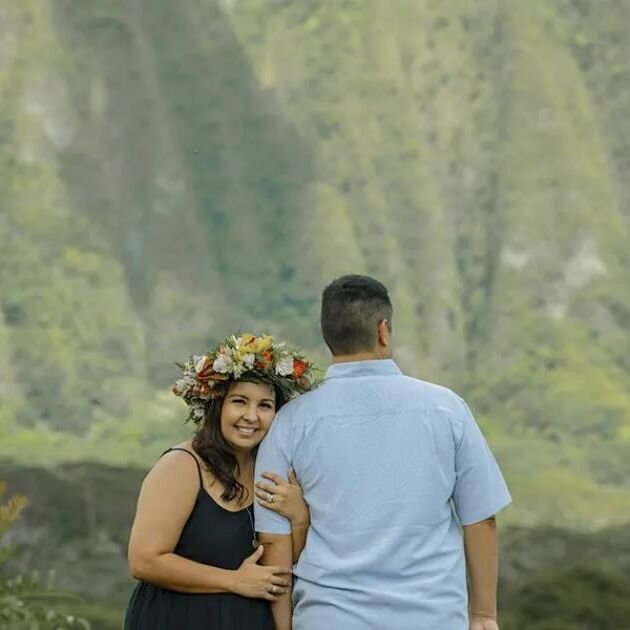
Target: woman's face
{"x": 247, "y": 413}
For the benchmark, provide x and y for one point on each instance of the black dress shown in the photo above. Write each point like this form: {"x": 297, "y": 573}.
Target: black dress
{"x": 214, "y": 536}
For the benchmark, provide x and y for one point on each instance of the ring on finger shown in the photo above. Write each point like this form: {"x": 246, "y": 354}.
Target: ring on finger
{"x": 273, "y": 589}
{"x": 269, "y": 497}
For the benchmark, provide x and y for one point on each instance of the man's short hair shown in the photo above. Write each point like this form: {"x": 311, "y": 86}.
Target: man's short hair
{"x": 352, "y": 307}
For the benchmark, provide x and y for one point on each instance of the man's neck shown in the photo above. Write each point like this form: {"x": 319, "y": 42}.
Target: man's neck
{"x": 361, "y": 356}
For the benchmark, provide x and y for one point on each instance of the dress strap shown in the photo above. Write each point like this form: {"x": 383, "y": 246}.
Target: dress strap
{"x": 185, "y": 450}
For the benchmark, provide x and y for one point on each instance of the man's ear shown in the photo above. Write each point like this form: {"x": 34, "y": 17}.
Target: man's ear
{"x": 384, "y": 334}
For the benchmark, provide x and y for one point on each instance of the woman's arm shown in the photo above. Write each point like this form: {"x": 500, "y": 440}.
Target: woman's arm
{"x": 166, "y": 500}
{"x": 287, "y": 500}
{"x": 278, "y": 551}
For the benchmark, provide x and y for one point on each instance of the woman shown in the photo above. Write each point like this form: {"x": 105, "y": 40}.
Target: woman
{"x": 193, "y": 541}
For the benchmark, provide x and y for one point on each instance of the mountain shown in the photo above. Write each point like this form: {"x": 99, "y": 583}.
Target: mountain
{"x": 172, "y": 171}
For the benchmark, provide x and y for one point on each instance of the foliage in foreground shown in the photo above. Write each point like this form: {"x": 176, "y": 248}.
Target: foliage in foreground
{"x": 27, "y": 602}
{"x": 571, "y": 598}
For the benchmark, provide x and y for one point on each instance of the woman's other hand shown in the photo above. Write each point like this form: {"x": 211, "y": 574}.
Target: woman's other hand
{"x": 283, "y": 497}
{"x": 254, "y": 580}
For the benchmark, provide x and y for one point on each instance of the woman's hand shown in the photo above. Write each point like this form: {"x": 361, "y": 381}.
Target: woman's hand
{"x": 283, "y": 497}
{"x": 254, "y": 580}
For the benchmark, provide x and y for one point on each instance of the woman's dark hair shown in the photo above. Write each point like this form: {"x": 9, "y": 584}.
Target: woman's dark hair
{"x": 352, "y": 307}
{"x": 217, "y": 455}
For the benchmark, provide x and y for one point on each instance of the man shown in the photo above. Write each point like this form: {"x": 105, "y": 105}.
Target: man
{"x": 390, "y": 467}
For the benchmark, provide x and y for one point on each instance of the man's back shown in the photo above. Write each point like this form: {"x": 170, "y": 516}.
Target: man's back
{"x": 380, "y": 456}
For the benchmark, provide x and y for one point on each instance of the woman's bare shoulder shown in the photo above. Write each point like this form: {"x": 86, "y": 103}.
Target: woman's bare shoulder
{"x": 175, "y": 463}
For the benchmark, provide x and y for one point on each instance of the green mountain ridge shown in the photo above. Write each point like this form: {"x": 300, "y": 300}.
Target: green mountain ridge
{"x": 171, "y": 172}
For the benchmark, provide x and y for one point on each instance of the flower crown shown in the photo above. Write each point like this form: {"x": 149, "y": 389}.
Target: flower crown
{"x": 206, "y": 377}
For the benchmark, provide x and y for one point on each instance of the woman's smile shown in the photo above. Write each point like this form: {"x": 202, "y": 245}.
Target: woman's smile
{"x": 245, "y": 430}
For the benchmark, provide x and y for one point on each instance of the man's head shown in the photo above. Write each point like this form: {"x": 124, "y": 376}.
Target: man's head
{"x": 356, "y": 317}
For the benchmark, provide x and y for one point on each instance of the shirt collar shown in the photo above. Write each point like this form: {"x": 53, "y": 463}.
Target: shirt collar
{"x": 376, "y": 367}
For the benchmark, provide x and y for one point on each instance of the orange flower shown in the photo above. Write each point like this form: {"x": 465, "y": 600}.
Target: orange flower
{"x": 267, "y": 358}
{"x": 204, "y": 369}
{"x": 299, "y": 367}
{"x": 265, "y": 362}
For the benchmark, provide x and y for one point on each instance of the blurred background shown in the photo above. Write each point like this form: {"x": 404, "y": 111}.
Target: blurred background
{"x": 171, "y": 172}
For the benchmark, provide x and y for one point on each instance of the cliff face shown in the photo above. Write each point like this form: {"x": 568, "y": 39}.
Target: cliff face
{"x": 467, "y": 156}
{"x": 172, "y": 171}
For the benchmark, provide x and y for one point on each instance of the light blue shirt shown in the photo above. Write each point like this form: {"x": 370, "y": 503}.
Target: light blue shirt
{"x": 389, "y": 465}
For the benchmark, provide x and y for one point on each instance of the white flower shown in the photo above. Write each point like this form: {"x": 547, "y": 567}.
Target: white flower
{"x": 284, "y": 367}
{"x": 222, "y": 364}
{"x": 227, "y": 351}
{"x": 200, "y": 363}
{"x": 199, "y": 412}
{"x": 248, "y": 361}
{"x": 181, "y": 386}
{"x": 238, "y": 369}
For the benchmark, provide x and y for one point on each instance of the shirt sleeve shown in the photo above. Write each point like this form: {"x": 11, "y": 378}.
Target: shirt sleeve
{"x": 274, "y": 456}
{"x": 480, "y": 489}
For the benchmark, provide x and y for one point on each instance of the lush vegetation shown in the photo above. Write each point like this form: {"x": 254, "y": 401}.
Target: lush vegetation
{"x": 552, "y": 579}
{"x": 171, "y": 171}
{"x": 26, "y": 602}
{"x": 170, "y": 174}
